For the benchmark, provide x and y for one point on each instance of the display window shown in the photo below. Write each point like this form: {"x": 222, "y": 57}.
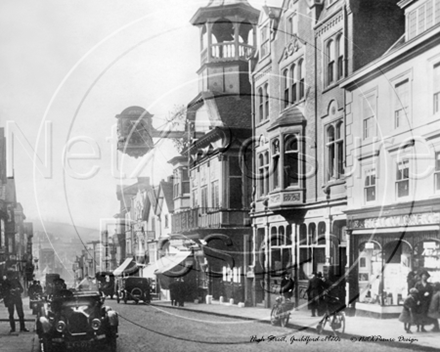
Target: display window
{"x": 427, "y": 256}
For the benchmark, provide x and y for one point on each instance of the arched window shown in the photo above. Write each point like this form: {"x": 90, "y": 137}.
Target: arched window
{"x": 331, "y": 150}
{"x": 312, "y": 234}
{"x": 330, "y": 54}
{"x": 291, "y": 161}
{"x": 275, "y": 163}
{"x": 301, "y": 80}
{"x": 293, "y": 95}
{"x": 340, "y": 56}
{"x": 321, "y": 233}
{"x": 302, "y": 234}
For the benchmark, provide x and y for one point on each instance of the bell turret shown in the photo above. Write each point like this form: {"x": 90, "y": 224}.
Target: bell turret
{"x": 227, "y": 41}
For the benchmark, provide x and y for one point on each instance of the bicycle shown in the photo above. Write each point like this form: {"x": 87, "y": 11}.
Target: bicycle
{"x": 334, "y": 315}
{"x": 281, "y": 311}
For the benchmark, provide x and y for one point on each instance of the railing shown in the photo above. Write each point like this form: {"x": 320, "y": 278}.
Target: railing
{"x": 207, "y": 218}
{"x": 228, "y": 51}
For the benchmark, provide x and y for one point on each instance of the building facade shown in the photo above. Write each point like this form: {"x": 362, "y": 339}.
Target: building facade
{"x": 305, "y": 48}
{"x": 392, "y": 113}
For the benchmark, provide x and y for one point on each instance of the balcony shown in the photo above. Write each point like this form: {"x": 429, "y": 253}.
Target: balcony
{"x": 197, "y": 218}
{"x": 226, "y": 51}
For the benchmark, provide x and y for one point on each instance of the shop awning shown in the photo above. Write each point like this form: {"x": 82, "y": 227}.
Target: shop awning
{"x": 169, "y": 262}
{"x": 396, "y": 229}
{"x": 148, "y": 271}
{"x": 129, "y": 266}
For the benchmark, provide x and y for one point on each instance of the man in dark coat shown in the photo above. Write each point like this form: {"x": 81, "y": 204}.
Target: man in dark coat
{"x": 12, "y": 291}
{"x": 314, "y": 292}
{"x": 287, "y": 285}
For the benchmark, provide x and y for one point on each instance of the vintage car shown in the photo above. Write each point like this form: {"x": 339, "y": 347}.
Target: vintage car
{"x": 134, "y": 289}
{"x": 77, "y": 320}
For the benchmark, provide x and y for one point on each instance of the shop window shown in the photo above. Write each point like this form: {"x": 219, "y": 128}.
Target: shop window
{"x": 291, "y": 161}
{"x": 368, "y": 116}
{"x": 311, "y": 238}
{"x": 402, "y": 178}
{"x": 398, "y": 264}
{"x": 303, "y": 234}
{"x": 275, "y": 163}
{"x": 305, "y": 263}
{"x": 427, "y": 256}
{"x": 280, "y": 251}
{"x": 437, "y": 172}
{"x": 369, "y": 273}
{"x": 370, "y": 185}
{"x": 321, "y": 233}
{"x": 401, "y": 103}
{"x": 436, "y": 80}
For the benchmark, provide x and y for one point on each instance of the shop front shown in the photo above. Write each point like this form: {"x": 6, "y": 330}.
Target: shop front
{"x": 383, "y": 253}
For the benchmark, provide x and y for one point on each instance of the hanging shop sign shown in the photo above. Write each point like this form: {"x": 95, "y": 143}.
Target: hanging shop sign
{"x": 395, "y": 221}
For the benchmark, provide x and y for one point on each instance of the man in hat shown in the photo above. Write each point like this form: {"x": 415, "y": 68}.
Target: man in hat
{"x": 12, "y": 291}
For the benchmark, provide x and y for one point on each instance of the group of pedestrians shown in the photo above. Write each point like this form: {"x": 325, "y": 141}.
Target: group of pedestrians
{"x": 177, "y": 292}
{"x": 422, "y": 306}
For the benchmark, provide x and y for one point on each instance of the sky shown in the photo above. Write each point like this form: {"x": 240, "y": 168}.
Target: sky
{"x": 67, "y": 68}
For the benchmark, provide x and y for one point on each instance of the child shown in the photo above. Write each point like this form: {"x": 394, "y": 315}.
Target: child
{"x": 408, "y": 312}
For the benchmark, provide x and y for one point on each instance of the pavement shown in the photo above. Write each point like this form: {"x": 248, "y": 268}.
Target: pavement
{"x": 357, "y": 328}
{"x": 18, "y": 341}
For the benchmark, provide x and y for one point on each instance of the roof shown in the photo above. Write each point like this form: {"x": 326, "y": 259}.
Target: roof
{"x": 215, "y": 3}
{"x": 288, "y": 117}
{"x": 167, "y": 189}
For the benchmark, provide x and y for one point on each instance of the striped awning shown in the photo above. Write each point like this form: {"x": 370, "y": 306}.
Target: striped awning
{"x": 128, "y": 267}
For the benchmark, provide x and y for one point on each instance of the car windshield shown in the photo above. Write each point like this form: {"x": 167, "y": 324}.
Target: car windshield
{"x": 87, "y": 284}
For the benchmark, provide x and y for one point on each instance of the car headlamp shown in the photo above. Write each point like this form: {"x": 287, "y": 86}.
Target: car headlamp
{"x": 96, "y": 324}
{"x": 61, "y": 325}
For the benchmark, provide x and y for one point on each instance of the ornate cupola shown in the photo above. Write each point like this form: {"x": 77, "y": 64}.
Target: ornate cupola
{"x": 227, "y": 41}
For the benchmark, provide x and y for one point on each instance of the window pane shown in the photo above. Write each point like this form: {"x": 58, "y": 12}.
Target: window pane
{"x": 291, "y": 169}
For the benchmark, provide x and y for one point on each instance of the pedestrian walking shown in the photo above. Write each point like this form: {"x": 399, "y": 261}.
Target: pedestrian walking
{"x": 314, "y": 292}
{"x": 173, "y": 292}
{"x": 434, "y": 307}
{"x": 425, "y": 295}
{"x": 287, "y": 285}
{"x": 12, "y": 290}
{"x": 409, "y": 312}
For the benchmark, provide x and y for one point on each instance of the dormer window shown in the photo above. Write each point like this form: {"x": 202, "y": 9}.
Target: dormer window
{"x": 422, "y": 17}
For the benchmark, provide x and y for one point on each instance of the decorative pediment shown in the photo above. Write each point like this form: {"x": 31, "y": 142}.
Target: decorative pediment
{"x": 292, "y": 47}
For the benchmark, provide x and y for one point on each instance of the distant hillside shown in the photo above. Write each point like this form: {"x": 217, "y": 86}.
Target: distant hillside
{"x": 67, "y": 232}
